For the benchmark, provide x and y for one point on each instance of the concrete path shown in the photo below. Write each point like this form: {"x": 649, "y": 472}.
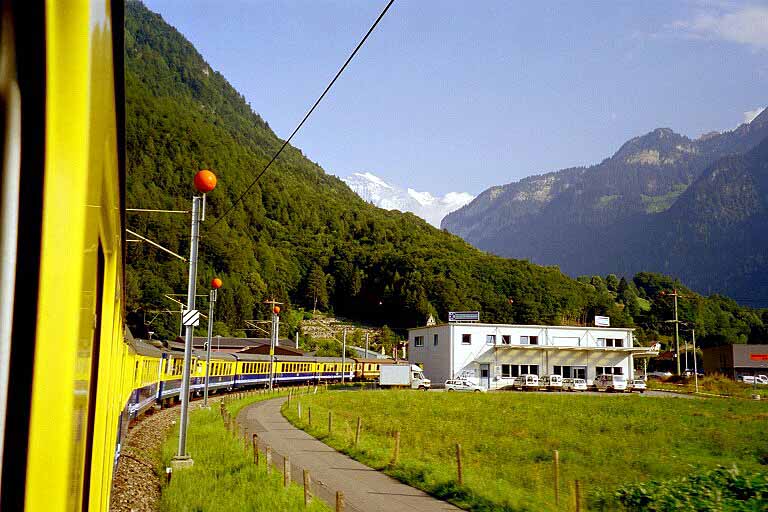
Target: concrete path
{"x": 365, "y": 489}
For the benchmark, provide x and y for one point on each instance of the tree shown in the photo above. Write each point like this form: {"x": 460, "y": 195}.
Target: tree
{"x": 612, "y": 282}
{"x": 317, "y": 290}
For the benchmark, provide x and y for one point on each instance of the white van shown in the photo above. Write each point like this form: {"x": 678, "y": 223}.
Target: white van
{"x": 526, "y": 381}
{"x": 611, "y": 383}
{"x": 574, "y": 385}
{"x": 551, "y": 382}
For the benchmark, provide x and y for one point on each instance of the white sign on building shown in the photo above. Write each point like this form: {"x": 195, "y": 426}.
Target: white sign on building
{"x": 602, "y": 321}
{"x": 463, "y": 316}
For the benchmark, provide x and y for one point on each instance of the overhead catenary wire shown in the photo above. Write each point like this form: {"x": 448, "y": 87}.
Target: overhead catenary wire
{"x": 306, "y": 116}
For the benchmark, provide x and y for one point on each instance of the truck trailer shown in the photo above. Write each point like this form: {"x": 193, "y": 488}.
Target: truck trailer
{"x": 403, "y": 375}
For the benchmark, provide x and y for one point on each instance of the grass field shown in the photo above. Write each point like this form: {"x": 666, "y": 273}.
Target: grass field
{"x": 223, "y": 477}
{"x": 717, "y": 384}
{"x": 508, "y": 441}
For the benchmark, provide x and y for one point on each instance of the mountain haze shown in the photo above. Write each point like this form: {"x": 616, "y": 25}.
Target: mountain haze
{"x": 593, "y": 220}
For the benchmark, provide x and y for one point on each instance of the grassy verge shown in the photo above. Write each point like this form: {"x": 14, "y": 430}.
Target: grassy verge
{"x": 716, "y": 385}
{"x": 224, "y": 477}
{"x": 508, "y": 441}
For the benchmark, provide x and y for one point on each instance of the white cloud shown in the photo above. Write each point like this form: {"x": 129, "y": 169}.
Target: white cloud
{"x": 752, "y": 114}
{"x": 745, "y": 25}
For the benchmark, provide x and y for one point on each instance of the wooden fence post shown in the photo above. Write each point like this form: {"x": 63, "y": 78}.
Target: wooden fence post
{"x": 268, "y": 458}
{"x": 286, "y": 471}
{"x": 557, "y": 477}
{"x": 245, "y": 441}
{"x": 578, "y": 496}
{"x": 330, "y": 422}
{"x": 357, "y": 431}
{"x": 396, "y": 451}
{"x": 309, "y": 416}
{"x": 255, "y": 443}
{"x": 339, "y": 501}
{"x": 298, "y": 408}
{"x": 307, "y": 490}
{"x": 459, "y": 469}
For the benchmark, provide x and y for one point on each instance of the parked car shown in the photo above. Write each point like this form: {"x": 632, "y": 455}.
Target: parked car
{"x": 526, "y": 381}
{"x": 574, "y": 385}
{"x": 659, "y": 375}
{"x": 551, "y": 382}
{"x": 611, "y": 383}
{"x": 462, "y": 385}
{"x": 637, "y": 385}
{"x": 753, "y": 379}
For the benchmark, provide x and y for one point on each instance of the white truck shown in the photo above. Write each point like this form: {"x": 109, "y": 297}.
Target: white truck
{"x": 403, "y": 375}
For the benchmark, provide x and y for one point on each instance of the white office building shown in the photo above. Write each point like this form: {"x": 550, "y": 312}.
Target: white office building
{"x": 492, "y": 355}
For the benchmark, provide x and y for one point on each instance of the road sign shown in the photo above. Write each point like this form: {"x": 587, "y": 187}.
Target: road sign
{"x": 463, "y": 316}
{"x": 190, "y": 317}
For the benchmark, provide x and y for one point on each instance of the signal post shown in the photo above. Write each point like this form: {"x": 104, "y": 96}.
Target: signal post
{"x": 205, "y": 181}
{"x": 215, "y": 285}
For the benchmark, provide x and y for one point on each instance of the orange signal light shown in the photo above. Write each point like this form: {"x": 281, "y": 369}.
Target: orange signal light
{"x": 276, "y": 310}
{"x": 205, "y": 181}
{"x": 216, "y": 283}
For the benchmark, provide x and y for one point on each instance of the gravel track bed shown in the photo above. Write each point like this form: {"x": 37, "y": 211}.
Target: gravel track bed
{"x": 136, "y": 485}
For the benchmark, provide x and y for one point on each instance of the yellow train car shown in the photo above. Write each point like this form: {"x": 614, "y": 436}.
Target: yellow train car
{"x": 62, "y": 372}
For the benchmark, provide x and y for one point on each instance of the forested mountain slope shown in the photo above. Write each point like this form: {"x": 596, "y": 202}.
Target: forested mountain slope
{"x": 375, "y": 265}
{"x": 585, "y": 220}
{"x": 301, "y": 234}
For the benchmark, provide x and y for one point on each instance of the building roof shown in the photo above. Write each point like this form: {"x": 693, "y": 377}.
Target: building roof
{"x": 231, "y": 345}
{"x": 480, "y": 324}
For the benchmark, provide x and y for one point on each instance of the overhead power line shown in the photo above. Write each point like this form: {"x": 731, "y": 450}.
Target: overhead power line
{"x": 309, "y": 113}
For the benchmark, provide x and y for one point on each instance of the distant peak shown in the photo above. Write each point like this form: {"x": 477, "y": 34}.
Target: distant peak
{"x": 761, "y": 118}
{"x": 373, "y": 179}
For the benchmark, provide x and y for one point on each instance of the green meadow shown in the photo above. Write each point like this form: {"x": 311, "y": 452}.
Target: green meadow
{"x": 508, "y": 441}
{"x": 224, "y": 477}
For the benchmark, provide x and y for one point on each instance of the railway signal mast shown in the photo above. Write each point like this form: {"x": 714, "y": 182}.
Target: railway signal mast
{"x": 205, "y": 181}
{"x": 215, "y": 285}
{"x": 273, "y": 339}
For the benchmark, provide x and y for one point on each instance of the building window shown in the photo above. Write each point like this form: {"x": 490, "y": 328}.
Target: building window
{"x": 506, "y": 370}
{"x": 529, "y": 340}
{"x": 490, "y": 339}
{"x": 600, "y": 342}
{"x": 434, "y": 340}
{"x": 506, "y": 339}
{"x": 418, "y": 341}
{"x": 609, "y": 370}
{"x": 466, "y": 339}
{"x": 529, "y": 368}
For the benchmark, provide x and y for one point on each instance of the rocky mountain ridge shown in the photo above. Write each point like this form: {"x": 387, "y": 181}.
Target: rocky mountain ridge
{"x": 565, "y": 217}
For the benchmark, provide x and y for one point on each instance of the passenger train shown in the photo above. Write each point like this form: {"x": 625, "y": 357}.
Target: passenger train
{"x": 69, "y": 381}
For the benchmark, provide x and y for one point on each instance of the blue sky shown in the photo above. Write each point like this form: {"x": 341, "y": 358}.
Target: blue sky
{"x": 460, "y": 96}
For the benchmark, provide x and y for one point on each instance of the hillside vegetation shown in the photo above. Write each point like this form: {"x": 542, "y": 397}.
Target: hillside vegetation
{"x": 303, "y": 237}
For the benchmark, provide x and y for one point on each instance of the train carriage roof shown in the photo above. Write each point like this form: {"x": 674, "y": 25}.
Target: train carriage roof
{"x": 145, "y": 349}
{"x": 215, "y": 356}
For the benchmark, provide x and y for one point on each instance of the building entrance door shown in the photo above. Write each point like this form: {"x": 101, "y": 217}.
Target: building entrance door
{"x": 485, "y": 375}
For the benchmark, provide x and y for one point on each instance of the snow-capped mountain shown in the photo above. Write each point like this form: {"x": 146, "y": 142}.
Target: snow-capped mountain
{"x": 390, "y": 197}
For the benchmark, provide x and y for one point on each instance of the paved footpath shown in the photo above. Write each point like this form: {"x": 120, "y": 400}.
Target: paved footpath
{"x": 365, "y": 489}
